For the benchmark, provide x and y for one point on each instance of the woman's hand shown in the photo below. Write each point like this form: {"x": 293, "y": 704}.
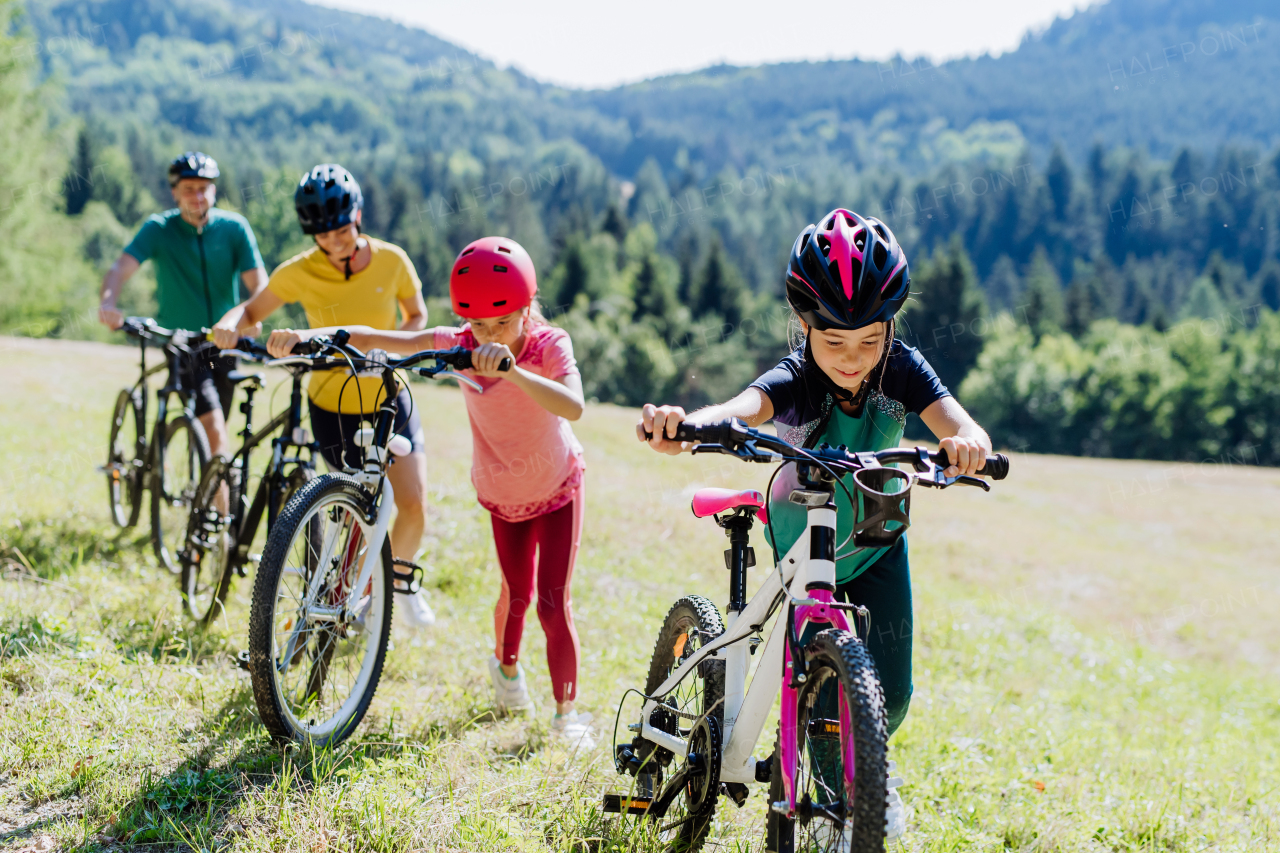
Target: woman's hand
{"x": 486, "y": 358}
{"x": 282, "y": 341}
{"x": 661, "y": 423}
{"x": 965, "y": 454}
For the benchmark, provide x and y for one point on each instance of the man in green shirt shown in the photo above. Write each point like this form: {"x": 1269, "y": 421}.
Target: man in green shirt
{"x": 201, "y": 256}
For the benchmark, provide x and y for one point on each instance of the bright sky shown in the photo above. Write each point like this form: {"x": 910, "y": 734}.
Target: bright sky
{"x": 601, "y": 43}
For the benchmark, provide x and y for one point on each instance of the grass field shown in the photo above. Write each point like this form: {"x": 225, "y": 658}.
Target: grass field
{"x": 1097, "y": 660}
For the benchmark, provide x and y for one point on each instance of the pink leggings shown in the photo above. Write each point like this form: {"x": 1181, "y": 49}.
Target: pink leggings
{"x": 554, "y": 537}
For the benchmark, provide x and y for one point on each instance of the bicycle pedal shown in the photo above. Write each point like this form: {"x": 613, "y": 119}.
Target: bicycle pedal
{"x": 735, "y": 791}
{"x": 407, "y": 573}
{"x": 619, "y": 804}
{"x": 242, "y": 660}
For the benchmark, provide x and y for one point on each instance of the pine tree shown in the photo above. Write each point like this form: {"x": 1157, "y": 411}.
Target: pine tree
{"x": 573, "y": 274}
{"x": 1042, "y": 307}
{"x": 77, "y": 186}
{"x": 1003, "y": 286}
{"x": 1059, "y": 179}
{"x": 720, "y": 289}
{"x": 944, "y": 320}
{"x": 654, "y": 296}
{"x": 1268, "y": 285}
{"x": 615, "y": 223}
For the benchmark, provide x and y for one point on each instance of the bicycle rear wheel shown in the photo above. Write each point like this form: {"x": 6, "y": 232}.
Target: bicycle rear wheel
{"x": 210, "y": 542}
{"x": 841, "y": 764}
{"x": 125, "y": 450}
{"x": 684, "y": 809}
{"x": 180, "y": 457}
{"x": 314, "y": 668}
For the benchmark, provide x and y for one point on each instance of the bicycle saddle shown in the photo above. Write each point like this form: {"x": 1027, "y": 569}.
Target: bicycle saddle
{"x": 235, "y": 377}
{"x": 713, "y": 501}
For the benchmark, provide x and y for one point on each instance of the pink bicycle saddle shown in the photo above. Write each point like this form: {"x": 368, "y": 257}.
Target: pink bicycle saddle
{"x": 712, "y": 501}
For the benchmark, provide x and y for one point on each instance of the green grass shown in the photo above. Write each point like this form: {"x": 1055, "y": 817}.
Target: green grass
{"x": 1035, "y": 726}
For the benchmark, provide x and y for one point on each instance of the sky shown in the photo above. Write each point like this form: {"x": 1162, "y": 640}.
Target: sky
{"x": 602, "y": 44}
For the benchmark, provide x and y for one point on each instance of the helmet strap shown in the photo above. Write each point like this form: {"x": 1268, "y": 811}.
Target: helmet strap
{"x": 346, "y": 261}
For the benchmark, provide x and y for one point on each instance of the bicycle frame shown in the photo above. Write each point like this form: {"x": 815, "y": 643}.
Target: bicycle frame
{"x": 291, "y": 421}
{"x": 381, "y": 493}
{"x": 746, "y": 708}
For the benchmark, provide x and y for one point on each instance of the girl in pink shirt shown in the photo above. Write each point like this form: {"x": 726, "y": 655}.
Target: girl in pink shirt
{"x": 527, "y": 464}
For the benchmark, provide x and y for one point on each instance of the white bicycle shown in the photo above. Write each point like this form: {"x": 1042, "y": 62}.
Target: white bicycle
{"x": 321, "y": 614}
{"x": 700, "y": 720}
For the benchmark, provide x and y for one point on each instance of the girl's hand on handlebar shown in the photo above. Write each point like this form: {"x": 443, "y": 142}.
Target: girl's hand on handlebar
{"x": 965, "y": 454}
{"x": 486, "y": 358}
{"x": 661, "y": 423}
{"x": 282, "y": 341}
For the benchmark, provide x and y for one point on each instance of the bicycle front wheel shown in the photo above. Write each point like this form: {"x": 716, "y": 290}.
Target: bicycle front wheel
{"x": 181, "y": 455}
{"x": 841, "y": 764}
{"x": 315, "y": 664}
{"x": 125, "y": 450}
{"x": 210, "y": 542}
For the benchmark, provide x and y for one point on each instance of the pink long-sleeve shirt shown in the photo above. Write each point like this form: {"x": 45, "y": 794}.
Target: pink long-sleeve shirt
{"x": 526, "y": 461}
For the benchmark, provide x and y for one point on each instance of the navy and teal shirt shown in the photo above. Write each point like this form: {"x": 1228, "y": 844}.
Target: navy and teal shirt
{"x": 802, "y": 403}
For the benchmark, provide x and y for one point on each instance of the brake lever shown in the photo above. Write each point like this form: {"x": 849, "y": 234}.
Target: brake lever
{"x": 447, "y": 373}
{"x": 966, "y": 480}
{"x": 748, "y": 452}
{"x": 938, "y": 481}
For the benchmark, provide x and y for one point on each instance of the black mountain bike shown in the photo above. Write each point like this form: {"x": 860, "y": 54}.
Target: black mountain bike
{"x": 223, "y": 522}
{"x": 321, "y": 616}
{"x": 171, "y": 463}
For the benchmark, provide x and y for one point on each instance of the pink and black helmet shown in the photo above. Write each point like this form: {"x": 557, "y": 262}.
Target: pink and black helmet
{"x": 846, "y": 272}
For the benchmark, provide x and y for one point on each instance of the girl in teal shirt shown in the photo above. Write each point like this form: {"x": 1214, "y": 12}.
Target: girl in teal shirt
{"x": 851, "y": 383}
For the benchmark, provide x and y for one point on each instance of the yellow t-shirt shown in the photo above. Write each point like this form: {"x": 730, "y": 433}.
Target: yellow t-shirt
{"x": 368, "y": 299}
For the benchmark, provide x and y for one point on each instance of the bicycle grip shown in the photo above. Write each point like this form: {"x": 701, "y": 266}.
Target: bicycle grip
{"x": 685, "y": 431}
{"x": 996, "y": 467}
{"x": 464, "y": 363}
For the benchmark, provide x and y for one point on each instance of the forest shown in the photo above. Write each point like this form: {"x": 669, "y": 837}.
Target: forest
{"x": 1082, "y": 290}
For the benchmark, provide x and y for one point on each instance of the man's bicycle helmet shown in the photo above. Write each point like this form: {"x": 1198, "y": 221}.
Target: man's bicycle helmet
{"x": 193, "y": 164}
{"x": 327, "y": 198}
{"x": 846, "y": 272}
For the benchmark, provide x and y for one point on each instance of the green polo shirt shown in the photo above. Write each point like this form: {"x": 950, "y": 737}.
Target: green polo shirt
{"x": 197, "y": 271}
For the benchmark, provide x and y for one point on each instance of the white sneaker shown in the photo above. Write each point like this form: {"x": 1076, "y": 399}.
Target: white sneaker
{"x": 575, "y": 729}
{"x": 510, "y": 695}
{"x": 895, "y": 813}
{"x": 417, "y": 612}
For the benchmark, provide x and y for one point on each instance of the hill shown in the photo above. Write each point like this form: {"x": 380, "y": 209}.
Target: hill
{"x": 1078, "y": 632}
{"x": 1153, "y": 75}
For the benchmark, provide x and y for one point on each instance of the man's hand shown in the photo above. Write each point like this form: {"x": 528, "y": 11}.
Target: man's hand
{"x": 661, "y": 423}
{"x": 282, "y": 341}
{"x": 226, "y": 335}
{"x": 965, "y": 454}
{"x": 486, "y": 358}
{"x": 110, "y": 316}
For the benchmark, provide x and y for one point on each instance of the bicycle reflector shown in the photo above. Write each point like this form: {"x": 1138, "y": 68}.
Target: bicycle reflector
{"x": 883, "y": 503}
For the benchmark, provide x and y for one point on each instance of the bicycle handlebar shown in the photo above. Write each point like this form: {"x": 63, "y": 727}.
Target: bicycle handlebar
{"x": 326, "y": 352}
{"x": 737, "y": 439}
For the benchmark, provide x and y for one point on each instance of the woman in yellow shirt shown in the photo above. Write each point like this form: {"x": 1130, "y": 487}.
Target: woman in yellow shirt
{"x": 350, "y": 279}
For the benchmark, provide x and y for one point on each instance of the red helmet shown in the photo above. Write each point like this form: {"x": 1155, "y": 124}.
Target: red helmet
{"x": 491, "y": 277}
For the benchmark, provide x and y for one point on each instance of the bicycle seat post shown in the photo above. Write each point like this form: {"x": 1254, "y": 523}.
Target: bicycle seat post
{"x": 739, "y": 557}
{"x": 246, "y": 408}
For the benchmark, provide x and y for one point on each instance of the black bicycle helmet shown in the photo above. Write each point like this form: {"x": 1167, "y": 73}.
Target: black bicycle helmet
{"x": 327, "y": 198}
{"x": 846, "y": 272}
{"x": 193, "y": 164}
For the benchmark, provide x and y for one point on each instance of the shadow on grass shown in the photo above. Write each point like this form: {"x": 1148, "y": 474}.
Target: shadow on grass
{"x": 50, "y": 548}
